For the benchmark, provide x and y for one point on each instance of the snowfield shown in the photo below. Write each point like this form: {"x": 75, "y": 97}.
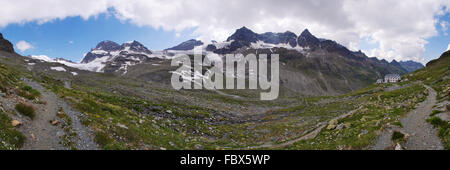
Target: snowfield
{"x": 58, "y": 68}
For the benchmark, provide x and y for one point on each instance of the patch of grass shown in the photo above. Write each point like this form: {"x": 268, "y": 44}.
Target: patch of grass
{"x": 444, "y": 130}
{"x": 436, "y": 122}
{"x": 373, "y": 116}
{"x": 26, "y": 110}
{"x": 66, "y": 125}
{"x": 398, "y": 123}
{"x": 28, "y": 92}
{"x": 435, "y": 112}
{"x": 10, "y": 139}
{"x": 398, "y": 136}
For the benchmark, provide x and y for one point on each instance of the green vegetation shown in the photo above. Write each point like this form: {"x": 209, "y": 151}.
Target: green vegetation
{"x": 28, "y": 92}
{"x": 26, "y": 110}
{"x": 398, "y": 137}
{"x": 444, "y": 130}
{"x": 128, "y": 114}
{"x": 10, "y": 139}
{"x": 379, "y": 109}
{"x": 435, "y": 112}
{"x": 8, "y": 79}
{"x": 436, "y": 75}
{"x": 66, "y": 125}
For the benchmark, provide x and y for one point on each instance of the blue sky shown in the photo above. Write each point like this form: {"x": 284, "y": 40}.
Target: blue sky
{"x": 384, "y": 29}
{"x": 70, "y": 38}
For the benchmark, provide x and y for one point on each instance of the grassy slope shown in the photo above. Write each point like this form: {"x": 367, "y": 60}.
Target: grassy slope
{"x": 437, "y": 75}
{"x": 9, "y": 137}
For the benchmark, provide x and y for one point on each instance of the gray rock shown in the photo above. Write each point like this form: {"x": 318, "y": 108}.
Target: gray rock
{"x": 198, "y": 146}
{"x": 398, "y": 147}
{"x": 363, "y": 132}
{"x": 340, "y": 126}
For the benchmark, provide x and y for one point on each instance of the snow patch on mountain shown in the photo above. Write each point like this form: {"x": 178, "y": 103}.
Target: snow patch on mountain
{"x": 42, "y": 58}
{"x": 263, "y": 45}
{"x": 58, "y": 69}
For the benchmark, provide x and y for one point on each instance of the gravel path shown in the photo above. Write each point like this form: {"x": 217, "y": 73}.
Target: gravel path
{"x": 42, "y": 135}
{"x": 421, "y": 134}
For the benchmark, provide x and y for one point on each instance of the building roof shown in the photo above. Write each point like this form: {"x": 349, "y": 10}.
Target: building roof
{"x": 392, "y": 76}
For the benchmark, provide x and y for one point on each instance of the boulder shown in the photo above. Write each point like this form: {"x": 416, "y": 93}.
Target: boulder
{"x": 331, "y": 127}
{"x": 340, "y": 126}
{"x": 398, "y": 147}
{"x": 333, "y": 122}
{"x": 55, "y": 122}
{"x": 16, "y": 123}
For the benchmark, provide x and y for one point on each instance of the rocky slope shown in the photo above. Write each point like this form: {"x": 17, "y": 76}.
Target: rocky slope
{"x": 5, "y": 45}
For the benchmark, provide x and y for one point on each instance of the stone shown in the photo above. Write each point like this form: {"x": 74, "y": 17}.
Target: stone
{"x": 347, "y": 125}
{"x": 169, "y": 111}
{"x": 331, "y": 127}
{"x": 198, "y": 147}
{"x": 55, "y": 122}
{"x": 340, "y": 126}
{"x": 16, "y": 123}
{"x": 378, "y": 123}
{"x": 122, "y": 126}
{"x": 333, "y": 122}
{"x": 398, "y": 147}
{"x": 364, "y": 132}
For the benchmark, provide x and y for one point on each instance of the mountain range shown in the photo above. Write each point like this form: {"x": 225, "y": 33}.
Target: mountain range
{"x": 309, "y": 65}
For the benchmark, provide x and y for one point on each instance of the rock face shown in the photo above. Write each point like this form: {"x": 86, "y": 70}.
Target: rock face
{"x": 5, "y": 45}
{"x": 244, "y": 37}
{"x": 306, "y": 39}
{"x": 187, "y": 45}
{"x": 279, "y": 38}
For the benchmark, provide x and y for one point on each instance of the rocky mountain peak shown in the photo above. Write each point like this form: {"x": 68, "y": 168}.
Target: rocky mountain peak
{"x": 244, "y": 34}
{"x": 108, "y": 46}
{"x": 5, "y": 45}
{"x": 306, "y": 39}
{"x": 187, "y": 45}
{"x": 136, "y": 47}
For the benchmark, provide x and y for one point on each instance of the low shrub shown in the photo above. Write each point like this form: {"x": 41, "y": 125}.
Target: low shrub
{"x": 26, "y": 110}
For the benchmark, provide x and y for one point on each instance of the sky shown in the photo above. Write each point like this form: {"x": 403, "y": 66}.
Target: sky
{"x": 388, "y": 29}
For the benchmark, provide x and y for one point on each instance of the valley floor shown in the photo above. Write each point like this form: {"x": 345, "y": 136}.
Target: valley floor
{"x": 98, "y": 111}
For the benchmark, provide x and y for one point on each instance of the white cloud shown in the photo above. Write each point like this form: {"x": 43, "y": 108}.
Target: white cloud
{"x": 23, "y": 46}
{"x": 71, "y": 42}
{"x": 448, "y": 48}
{"x": 399, "y": 27}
